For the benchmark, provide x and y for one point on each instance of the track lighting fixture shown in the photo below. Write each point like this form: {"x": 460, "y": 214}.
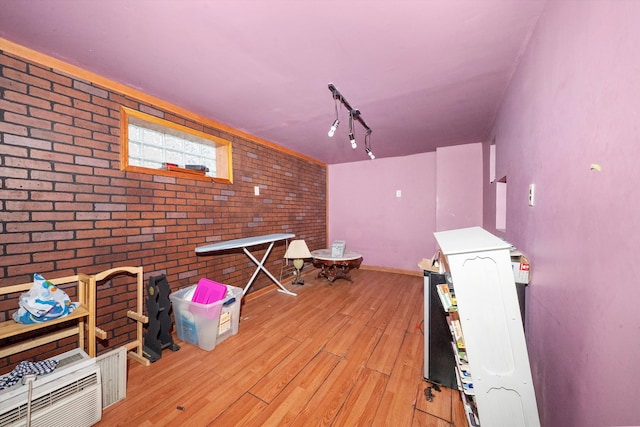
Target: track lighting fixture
{"x": 354, "y": 115}
{"x": 336, "y": 122}
{"x": 334, "y": 126}
{"x": 367, "y": 145}
{"x": 352, "y": 137}
{"x": 370, "y": 153}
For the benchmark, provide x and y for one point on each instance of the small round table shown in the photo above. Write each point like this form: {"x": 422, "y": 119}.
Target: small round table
{"x": 333, "y": 268}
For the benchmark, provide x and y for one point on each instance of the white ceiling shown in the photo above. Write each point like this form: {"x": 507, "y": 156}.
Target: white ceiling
{"x": 423, "y": 74}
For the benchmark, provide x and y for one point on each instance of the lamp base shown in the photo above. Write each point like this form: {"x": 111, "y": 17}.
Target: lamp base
{"x": 298, "y": 280}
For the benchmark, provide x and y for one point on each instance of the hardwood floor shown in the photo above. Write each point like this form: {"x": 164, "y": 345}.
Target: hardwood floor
{"x": 341, "y": 354}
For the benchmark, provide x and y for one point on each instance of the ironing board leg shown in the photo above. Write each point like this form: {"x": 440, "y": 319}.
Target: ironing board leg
{"x": 260, "y": 265}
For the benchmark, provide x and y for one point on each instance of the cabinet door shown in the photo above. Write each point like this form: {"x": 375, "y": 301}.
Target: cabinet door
{"x": 494, "y": 336}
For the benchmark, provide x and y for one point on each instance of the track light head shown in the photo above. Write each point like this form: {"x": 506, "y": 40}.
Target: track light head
{"x": 334, "y": 126}
{"x": 352, "y": 139}
{"x": 370, "y": 153}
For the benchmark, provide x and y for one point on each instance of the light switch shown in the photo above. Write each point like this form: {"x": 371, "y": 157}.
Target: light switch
{"x": 256, "y": 190}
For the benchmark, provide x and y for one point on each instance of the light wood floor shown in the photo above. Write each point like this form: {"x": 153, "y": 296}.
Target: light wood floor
{"x": 341, "y": 354}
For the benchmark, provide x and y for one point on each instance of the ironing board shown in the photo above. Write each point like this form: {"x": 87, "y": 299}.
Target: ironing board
{"x": 246, "y": 242}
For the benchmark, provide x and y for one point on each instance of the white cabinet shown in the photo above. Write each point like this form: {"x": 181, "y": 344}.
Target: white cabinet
{"x": 489, "y": 313}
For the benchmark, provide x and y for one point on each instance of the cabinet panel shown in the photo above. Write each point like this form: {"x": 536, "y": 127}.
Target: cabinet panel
{"x": 439, "y": 362}
{"x": 491, "y": 322}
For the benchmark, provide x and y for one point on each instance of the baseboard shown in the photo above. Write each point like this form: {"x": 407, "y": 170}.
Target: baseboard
{"x": 391, "y": 270}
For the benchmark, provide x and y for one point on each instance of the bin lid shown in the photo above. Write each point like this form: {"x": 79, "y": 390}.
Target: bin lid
{"x": 209, "y": 291}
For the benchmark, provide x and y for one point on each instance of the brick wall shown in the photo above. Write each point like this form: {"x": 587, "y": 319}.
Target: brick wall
{"x": 66, "y": 207}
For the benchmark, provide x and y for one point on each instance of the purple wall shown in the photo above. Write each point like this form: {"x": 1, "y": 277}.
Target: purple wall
{"x": 364, "y": 211}
{"x": 397, "y": 232}
{"x": 459, "y": 186}
{"x": 575, "y": 101}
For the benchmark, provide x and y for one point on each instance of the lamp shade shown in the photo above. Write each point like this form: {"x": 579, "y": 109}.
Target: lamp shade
{"x": 297, "y": 250}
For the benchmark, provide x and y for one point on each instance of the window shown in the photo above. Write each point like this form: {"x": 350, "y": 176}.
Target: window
{"x": 154, "y": 145}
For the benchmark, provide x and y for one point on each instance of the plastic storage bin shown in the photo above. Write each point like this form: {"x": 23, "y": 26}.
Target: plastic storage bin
{"x": 206, "y": 325}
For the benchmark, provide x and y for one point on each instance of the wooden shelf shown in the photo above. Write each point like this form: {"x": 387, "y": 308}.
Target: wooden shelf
{"x": 82, "y": 320}
{"x": 11, "y": 328}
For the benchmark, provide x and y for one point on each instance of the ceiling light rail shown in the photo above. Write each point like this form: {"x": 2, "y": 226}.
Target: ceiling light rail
{"x": 354, "y": 115}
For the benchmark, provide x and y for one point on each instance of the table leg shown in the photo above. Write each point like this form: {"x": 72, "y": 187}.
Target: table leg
{"x": 260, "y": 265}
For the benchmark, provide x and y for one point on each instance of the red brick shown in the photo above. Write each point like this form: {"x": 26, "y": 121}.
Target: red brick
{"x": 74, "y": 225}
{"x": 13, "y": 62}
{"x": 27, "y": 248}
{"x": 113, "y": 106}
{"x": 96, "y": 109}
{"x": 14, "y": 195}
{"x": 85, "y": 87}
{"x": 89, "y": 161}
{"x": 107, "y": 121}
{"x": 75, "y": 263}
{"x": 71, "y": 111}
{"x": 114, "y": 139}
{"x": 54, "y": 256}
{"x": 28, "y": 184}
{"x": 51, "y": 176}
{"x": 12, "y": 173}
{"x": 26, "y": 78}
{"x": 8, "y": 260}
{"x": 71, "y": 130}
{"x": 49, "y": 96}
{"x": 13, "y": 129}
{"x": 27, "y": 121}
{"x": 12, "y": 106}
{"x": 13, "y": 85}
{"x": 30, "y": 268}
{"x": 73, "y": 149}
{"x": 73, "y": 188}
{"x": 85, "y": 124}
{"x": 52, "y": 216}
{"x": 51, "y": 136}
{"x": 98, "y": 178}
{"x": 49, "y": 75}
{"x": 28, "y": 206}
{"x": 94, "y": 216}
{"x": 52, "y": 235}
{"x": 69, "y": 93}
{"x": 51, "y": 156}
{"x": 51, "y": 196}
{"x": 122, "y": 100}
{"x": 51, "y": 116}
{"x": 75, "y": 244}
{"x": 75, "y": 207}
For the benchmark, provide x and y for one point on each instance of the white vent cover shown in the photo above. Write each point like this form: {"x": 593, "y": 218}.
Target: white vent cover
{"x": 113, "y": 370}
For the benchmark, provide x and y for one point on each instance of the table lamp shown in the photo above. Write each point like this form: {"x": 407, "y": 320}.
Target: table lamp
{"x": 297, "y": 251}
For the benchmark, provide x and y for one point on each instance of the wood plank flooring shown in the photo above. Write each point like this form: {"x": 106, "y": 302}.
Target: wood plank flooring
{"x": 338, "y": 354}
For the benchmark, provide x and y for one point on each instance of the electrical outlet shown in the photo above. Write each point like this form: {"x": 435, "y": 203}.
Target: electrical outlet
{"x": 398, "y": 193}
{"x": 256, "y": 190}
{"x": 532, "y": 194}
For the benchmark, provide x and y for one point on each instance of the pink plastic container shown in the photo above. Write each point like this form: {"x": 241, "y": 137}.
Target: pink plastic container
{"x": 208, "y": 291}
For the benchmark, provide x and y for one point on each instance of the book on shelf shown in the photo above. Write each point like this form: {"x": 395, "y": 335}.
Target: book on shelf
{"x": 457, "y": 333}
{"x": 445, "y": 297}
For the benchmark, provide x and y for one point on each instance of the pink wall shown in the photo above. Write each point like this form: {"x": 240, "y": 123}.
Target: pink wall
{"x": 364, "y": 211}
{"x": 574, "y": 101}
{"x": 459, "y": 186}
{"x": 397, "y": 232}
